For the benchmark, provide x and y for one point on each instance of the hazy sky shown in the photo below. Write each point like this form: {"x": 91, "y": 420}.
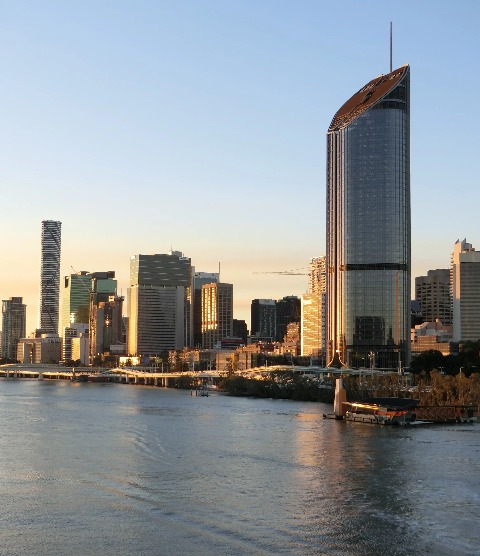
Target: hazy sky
{"x": 200, "y": 125}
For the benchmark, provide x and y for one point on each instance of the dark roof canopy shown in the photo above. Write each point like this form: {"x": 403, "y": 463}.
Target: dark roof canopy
{"x": 366, "y": 97}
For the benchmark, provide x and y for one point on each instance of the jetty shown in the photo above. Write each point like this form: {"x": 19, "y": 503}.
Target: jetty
{"x": 397, "y": 411}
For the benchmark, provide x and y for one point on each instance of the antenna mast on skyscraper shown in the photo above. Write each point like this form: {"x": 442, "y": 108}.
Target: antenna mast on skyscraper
{"x": 391, "y": 48}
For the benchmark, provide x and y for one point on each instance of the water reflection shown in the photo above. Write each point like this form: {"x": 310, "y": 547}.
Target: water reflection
{"x": 122, "y": 470}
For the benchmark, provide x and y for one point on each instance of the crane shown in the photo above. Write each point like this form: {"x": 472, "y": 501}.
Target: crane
{"x": 284, "y": 272}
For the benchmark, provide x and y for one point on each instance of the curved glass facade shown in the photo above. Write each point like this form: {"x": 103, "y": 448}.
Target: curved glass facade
{"x": 368, "y": 226}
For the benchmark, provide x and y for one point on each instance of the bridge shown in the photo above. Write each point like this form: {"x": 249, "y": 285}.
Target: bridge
{"x": 132, "y": 375}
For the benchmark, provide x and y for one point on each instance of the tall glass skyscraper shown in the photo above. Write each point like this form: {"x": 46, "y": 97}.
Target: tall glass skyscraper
{"x": 50, "y": 276}
{"x": 368, "y": 226}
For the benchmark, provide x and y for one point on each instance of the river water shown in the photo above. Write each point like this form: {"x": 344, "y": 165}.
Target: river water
{"x": 110, "y": 469}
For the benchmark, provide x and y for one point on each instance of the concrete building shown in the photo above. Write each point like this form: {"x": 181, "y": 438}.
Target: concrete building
{"x": 43, "y": 348}
{"x": 217, "y": 313}
{"x": 80, "y": 349}
{"x": 368, "y": 225}
{"x": 433, "y": 335}
{"x": 434, "y": 296}
{"x": 263, "y": 314}
{"x": 465, "y": 286}
{"x": 14, "y": 313}
{"x": 158, "y": 318}
{"x": 75, "y": 330}
{"x": 50, "y": 276}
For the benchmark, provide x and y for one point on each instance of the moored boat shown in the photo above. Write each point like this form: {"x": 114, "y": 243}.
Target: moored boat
{"x": 382, "y": 411}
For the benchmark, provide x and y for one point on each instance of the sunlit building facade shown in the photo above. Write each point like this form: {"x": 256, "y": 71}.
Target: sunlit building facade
{"x": 368, "y": 226}
{"x": 465, "y": 286}
{"x": 217, "y": 313}
{"x": 50, "y": 276}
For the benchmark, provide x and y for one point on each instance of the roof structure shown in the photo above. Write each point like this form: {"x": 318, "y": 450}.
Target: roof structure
{"x": 366, "y": 97}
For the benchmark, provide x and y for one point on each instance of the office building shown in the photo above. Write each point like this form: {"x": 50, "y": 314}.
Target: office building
{"x": 75, "y": 295}
{"x": 433, "y": 294}
{"x": 77, "y": 289}
{"x": 263, "y": 314}
{"x": 13, "y": 326}
{"x": 368, "y": 226}
{"x": 465, "y": 286}
{"x": 313, "y": 315}
{"x": 288, "y": 310}
{"x": 75, "y": 330}
{"x": 50, "y": 276}
{"x": 159, "y": 303}
{"x": 217, "y": 313}
{"x": 199, "y": 280}
{"x": 105, "y": 325}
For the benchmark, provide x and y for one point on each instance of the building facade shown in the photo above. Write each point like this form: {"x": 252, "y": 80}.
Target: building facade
{"x": 263, "y": 313}
{"x": 75, "y": 295}
{"x": 217, "y": 313}
{"x": 465, "y": 286}
{"x": 160, "y": 277}
{"x": 14, "y": 313}
{"x": 368, "y": 226}
{"x": 288, "y": 310}
{"x": 50, "y": 276}
{"x": 434, "y": 296}
{"x": 313, "y": 316}
{"x": 199, "y": 280}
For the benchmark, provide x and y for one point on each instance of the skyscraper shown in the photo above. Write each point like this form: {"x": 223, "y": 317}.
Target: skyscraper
{"x": 263, "y": 313}
{"x": 199, "y": 279}
{"x": 288, "y": 310}
{"x": 465, "y": 284}
{"x": 368, "y": 226}
{"x": 159, "y": 303}
{"x": 13, "y": 326}
{"x": 50, "y": 276}
{"x": 217, "y": 313}
{"x": 313, "y": 310}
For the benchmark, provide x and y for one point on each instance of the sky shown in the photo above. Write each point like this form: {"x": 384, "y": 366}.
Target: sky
{"x": 200, "y": 125}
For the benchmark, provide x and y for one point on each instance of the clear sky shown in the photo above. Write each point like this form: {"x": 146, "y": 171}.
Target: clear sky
{"x": 200, "y": 125}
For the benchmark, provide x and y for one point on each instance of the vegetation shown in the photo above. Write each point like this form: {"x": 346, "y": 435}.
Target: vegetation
{"x": 280, "y": 385}
{"x": 467, "y": 360}
{"x": 431, "y": 389}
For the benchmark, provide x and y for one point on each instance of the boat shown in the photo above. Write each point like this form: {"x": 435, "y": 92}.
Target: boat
{"x": 382, "y": 411}
{"x": 80, "y": 378}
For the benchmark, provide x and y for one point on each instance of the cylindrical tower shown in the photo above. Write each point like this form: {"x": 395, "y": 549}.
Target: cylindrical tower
{"x": 50, "y": 276}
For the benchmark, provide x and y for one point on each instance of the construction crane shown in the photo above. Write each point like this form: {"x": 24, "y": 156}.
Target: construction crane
{"x": 284, "y": 272}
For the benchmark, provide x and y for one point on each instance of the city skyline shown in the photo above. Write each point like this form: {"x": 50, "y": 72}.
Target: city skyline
{"x": 147, "y": 128}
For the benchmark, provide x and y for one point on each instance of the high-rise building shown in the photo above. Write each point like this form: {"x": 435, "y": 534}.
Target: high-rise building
{"x": 288, "y": 310}
{"x": 263, "y": 314}
{"x": 14, "y": 313}
{"x": 217, "y": 313}
{"x": 368, "y": 225}
{"x": 50, "y": 276}
{"x": 199, "y": 280}
{"x": 77, "y": 290}
{"x": 313, "y": 316}
{"x": 159, "y": 303}
{"x": 75, "y": 295}
{"x": 433, "y": 293}
{"x": 465, "y": 285}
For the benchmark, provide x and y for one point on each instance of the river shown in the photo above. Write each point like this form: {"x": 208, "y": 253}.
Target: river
{"x": 108, "y": 469}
